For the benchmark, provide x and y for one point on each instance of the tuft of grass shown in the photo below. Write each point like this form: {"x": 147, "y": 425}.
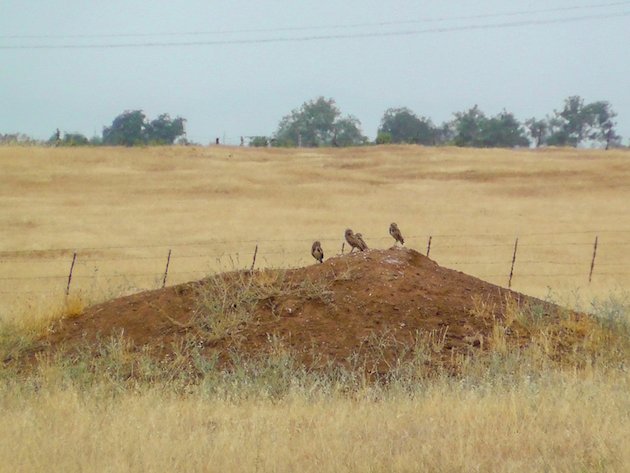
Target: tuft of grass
{"x": 19, "y": 330}
{"x": 226, "y": 302}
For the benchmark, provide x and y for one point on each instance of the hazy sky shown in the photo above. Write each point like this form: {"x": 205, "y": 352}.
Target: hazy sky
{"x": 234, "y": 87}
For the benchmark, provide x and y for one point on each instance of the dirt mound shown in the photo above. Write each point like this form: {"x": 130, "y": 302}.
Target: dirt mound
{"x": 352, "y": 308}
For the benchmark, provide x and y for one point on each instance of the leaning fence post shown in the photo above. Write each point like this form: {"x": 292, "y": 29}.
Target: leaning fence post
{"x": 513, "y": 260}
{"x": 343, "y": 246}
{"x": 74, "y": 258}
{"x": 251, "y": 270}
{"x": 429, "y": 246}
{"x": 590, "y": 274}
{"x": 168, "y": 260}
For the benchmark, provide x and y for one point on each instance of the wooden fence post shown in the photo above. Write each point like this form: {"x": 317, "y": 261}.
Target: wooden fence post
{"x": 429, "y": 246}
{"x": 343, "y": 246}
{"x": 74, "y": 258}
{"x": 590, "y": 274}
{"x": 513, "y": 260}
{"x": 251, "y": 270}
{"x": 168, "y": 260}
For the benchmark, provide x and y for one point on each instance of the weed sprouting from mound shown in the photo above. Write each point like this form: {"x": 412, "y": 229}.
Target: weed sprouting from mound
{"x": 226, "y": 302}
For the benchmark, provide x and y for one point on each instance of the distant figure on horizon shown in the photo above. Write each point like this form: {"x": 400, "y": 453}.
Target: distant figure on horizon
{"x": 355, "y": 240}
{"x": 317, "y": 252}
{"x": 395, "y": 232}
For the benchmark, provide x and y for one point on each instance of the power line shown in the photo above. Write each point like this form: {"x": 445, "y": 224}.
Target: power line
{"x": 324, "y": 27}
{"x": 296, "y": 39}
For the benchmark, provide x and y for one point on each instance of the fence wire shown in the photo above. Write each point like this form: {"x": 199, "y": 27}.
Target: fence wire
{"x": 614, "y": 263}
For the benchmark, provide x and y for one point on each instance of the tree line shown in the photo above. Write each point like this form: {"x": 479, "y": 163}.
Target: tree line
{"x": 130, "y": 128}
{"x": 319, "y": 122}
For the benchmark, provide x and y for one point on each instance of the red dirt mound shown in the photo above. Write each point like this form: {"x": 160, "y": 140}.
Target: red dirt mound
{"x": 324, "y": 312}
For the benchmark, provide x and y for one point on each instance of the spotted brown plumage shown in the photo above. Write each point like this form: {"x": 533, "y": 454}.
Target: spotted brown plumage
{"x": 317, "y": 252}
{"x": 355, "y": 240}
{"x": 394, "y": 231}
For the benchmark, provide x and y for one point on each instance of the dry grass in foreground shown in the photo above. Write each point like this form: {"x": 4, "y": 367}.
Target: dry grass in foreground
{"x": 559, "y": 423}
{"x": 512, "y": 409}
{"x": 509, "y": 409}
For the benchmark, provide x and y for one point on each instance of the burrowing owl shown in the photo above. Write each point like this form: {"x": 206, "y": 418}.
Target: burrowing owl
{"x": 317, "y": 252}
{"x": 395, "y": 232}
{"x": 355, "y": 241}
{"x": 360, "y": 238}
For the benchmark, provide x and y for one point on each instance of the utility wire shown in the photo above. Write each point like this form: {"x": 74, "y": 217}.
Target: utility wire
{"x": 324, "y": 27}
{"x": 296, "y": 39}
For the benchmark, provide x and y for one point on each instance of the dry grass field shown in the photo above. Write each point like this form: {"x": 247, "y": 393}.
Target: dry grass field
{"x": 121, "y": 210}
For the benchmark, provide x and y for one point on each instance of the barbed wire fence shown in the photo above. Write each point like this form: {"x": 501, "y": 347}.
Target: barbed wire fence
{"x": 67, "y": 265}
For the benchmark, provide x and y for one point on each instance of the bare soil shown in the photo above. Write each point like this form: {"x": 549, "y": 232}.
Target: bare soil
{"x": 364, "y": 307}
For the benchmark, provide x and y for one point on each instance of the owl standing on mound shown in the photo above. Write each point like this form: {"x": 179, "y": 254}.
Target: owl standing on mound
{"x": 355, "y": 240}
{"x": 395, "y": 232}
{"x": 317, "y": 252}
{"x": 363, "y": 244}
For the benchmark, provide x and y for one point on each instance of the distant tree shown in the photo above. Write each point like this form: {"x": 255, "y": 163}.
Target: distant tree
{"x": 383, "y": 138}
{"x": 164, "y": 130}
{"x": 128, "y": 129}
{"x": 131, "y": 128}
{"x": 473, "y": 128}
{"x": 259, "y": 141}
{"x": 600, "y": 116}
{"x": 503, "y": 131}
{"x": 557, "y": 132}
{"x": 318, "y": 123}
{"x": 74, "y": 139}
{"x": 468, "y": 127}
{"x": 19, "y": 139}
{"x": 347, "y": 132}
{"x": 538, "y": 130}
{"x": 444, "y": 134}
{"x": 574, "y": 119}
{"x": 578, "y": 122}
{"x": 404, "y": 126}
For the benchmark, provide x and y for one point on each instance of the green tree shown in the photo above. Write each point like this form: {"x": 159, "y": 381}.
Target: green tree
{"x": 578, "y": 122}
{"x": 131, "y": 128}
{"x": 444, "y": 134}
{"x": 601, "y": 123}
{"x": 74, "y": 139}
{"x": 164, "y": 130}
{"x": 404, "y": 126}
{"x": 318, "y": 123}
{"x": 570, "y": 125}
{"x": 127, "y": 129}
{"x": 383, "y": 138}
{"x": 538, "y": 130}
{"x": 557, "y": 132}
{"x": 347, "y": 132}
{"x": 468, "y": 127}
{"x": 503, "y": 131}
{"x": 473, "y": 128}
{"x": 259, "y": 141}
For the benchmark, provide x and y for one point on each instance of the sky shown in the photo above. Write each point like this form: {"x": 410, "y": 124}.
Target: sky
{"x": 246, "y": 64}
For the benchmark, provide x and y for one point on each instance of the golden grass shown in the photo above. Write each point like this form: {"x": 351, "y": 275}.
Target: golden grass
{"x": 560, "y": 424}
{"x": 122, "y": 209}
